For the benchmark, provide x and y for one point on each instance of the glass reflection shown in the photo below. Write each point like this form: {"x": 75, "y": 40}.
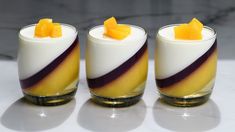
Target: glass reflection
{"x": 200, "y": 118}
{"x": 22, "y": 116}
{"x": 97, "y": 118}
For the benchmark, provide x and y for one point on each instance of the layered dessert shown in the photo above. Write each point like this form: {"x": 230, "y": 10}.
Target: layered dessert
{"x": 116, "y": 62}
{"x": 48, "y": 61}
{"x": 185, "y": 62}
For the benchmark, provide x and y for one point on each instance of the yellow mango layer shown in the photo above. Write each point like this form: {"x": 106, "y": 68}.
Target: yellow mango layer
{"x": 195, "y": 81}
{"x": 60, "y": 81}
{"x": 128, "y": 83}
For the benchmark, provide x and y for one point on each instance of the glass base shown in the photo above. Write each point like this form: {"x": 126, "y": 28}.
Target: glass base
{"x": 185, "y": 102}
{"x": 50, "y": 100}
{"x": 116, "y": 102}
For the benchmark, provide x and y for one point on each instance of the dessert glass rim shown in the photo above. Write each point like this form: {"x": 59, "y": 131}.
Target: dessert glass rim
{"x": 35, "y": 39}
{"x": 185, "y": 41}
{"x": 113, "y": 40}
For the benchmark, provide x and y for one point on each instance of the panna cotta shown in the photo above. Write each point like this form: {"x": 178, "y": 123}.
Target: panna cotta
{"x": 116, "y": 68}
{"x": 185, "y": 68}
{"x": 48, "y": 66}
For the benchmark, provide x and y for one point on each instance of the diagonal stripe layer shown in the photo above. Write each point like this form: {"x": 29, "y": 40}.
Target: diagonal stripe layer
{"x": 166, "y": 82}
{"x": 29, "y": 82}
{"x": 114, "y": 74}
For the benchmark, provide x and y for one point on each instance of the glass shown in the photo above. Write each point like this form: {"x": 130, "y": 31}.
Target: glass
{"x": 116, "y": 69}
{"x": 48, "y": 67}
{"x": 185, "y": 70}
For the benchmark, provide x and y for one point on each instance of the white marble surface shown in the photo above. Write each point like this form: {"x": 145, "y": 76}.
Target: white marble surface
{"x": 218, "y": 114}
{"x": 85, "y": 14}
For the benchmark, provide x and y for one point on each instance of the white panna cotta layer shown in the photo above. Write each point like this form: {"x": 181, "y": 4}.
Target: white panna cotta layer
{"x": 172, "y": 55}
{"x": 36, "y": 53}
{"x": 104, "y": 54}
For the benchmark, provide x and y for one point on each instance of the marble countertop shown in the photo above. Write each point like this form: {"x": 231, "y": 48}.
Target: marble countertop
{"x": 149, "y": 14}
{"x": 218, "y": 114}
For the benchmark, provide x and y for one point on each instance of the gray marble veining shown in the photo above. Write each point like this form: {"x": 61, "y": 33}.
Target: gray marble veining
{"x": 149, "y": 14}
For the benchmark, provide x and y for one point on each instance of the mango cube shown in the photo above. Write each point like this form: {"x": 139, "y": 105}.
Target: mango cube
{"x": 56, "y": 30}
{"x": 46, "y": 28}
{"x": 124, "y": 28}
{"x": 114, "y": 30}
{"x": 42, "y": 29}
{"x": 181, "y": 31}
{"x": 110, "y": 23}
{"x": 190, "y": 31}
{"x": 196, "y": 24}
{"x": 45, "y": 20}
{"x": 113, "y": 33}
{"x": 195, "y": 29}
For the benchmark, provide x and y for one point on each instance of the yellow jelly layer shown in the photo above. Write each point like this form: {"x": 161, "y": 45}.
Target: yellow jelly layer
{"x": 61, "y": 80}
{"x": 128, "y": 83}
{"x": 195, "y": 81}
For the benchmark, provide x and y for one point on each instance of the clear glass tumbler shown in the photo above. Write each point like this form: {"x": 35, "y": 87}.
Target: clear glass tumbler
{"x": 116, "y": 69}
{"x": 48, "y": 67}
{"x": 185, "y": 70}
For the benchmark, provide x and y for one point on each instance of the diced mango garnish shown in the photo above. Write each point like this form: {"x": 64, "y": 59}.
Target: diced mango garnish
{"x": 195, "y": 29}
{"x": 116, "y": 34}
{"x": 43, "y": 28}
{"x": 110, "y": 23}
{"x": 114, "y": 30}
{"x": 56, "y": 30}
{"x": 181, "y": 31}
{"x": 196, "y": 23}
{"x": 124, "y": 28}
{"x": 46, "y": 28}
{"x": 45, "y": 20}
{"x": 190, "y": 31}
